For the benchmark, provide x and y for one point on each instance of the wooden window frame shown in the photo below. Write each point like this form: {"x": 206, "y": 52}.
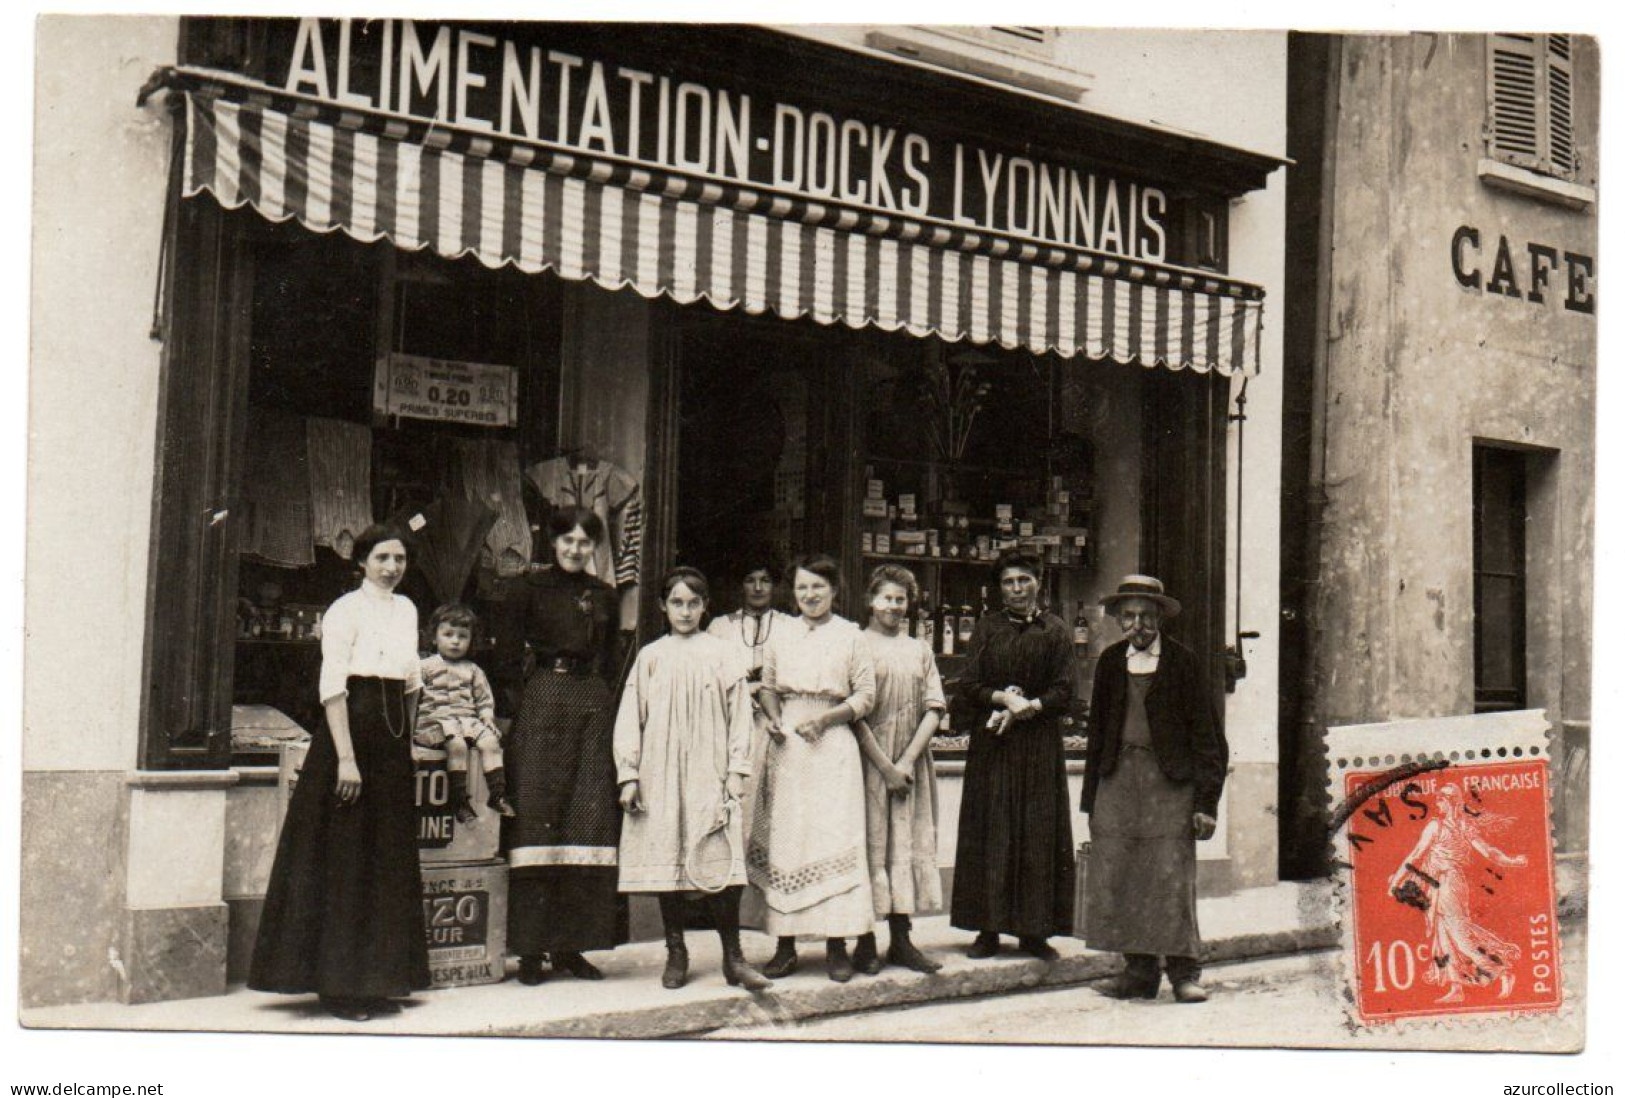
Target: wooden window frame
{"x": 1529, "y": 109}
{"x": 197, "y": 509}
{"x": 1485, "y": 699}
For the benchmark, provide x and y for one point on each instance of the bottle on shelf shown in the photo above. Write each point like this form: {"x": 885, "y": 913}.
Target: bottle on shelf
{"x": 1080, "y": 626}
{"x": 924, "y": 625}
{"x": 950, "y": 631}
{"x": 967, "y": 625}
{"x": 986, "y": 606}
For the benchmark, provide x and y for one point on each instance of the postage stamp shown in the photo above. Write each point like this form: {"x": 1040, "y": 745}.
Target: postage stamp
{"x": 1442, "y": 832}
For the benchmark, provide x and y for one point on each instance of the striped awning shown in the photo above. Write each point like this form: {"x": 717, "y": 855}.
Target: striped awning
{"x": 620, "y": 225}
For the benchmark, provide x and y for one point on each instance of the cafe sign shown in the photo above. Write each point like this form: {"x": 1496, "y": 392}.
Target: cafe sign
{"x": 582, "y": 91}
{"x": 418, "y": 387}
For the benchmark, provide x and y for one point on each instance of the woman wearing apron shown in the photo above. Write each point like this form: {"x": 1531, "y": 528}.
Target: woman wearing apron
{"x": 806, "y": 851}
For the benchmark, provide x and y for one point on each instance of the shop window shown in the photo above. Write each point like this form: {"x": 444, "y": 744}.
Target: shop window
{"x": 1500, "y": 518}
{"x": 1531, "y": 103}
{"x": 971, "y": 450}
{"x": 335, "y": 439}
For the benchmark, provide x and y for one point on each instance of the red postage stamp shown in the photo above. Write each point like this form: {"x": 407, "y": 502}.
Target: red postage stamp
{"x": 1450, "y": 907}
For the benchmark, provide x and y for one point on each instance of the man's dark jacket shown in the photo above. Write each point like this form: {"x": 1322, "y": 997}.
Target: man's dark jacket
{"x": 1185, "y": 737}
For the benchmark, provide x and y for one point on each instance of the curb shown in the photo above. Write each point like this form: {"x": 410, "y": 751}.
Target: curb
{"x": 889, "y": 989}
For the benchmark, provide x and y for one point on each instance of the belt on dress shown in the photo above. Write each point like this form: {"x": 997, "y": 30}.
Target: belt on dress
{"x": 566, "y": 665}
{"x": 832, "y": 699}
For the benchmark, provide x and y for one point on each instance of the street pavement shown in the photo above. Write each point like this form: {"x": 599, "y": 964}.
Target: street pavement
{"x": 630, "y": 1002}
{"x": 1292, "y": 1001}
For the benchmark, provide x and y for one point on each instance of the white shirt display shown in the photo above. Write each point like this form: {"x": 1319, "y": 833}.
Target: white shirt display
{"x": 370, "y": 632}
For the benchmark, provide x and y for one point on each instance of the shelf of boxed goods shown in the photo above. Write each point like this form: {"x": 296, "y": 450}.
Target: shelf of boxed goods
{"x": 962, "y": 562}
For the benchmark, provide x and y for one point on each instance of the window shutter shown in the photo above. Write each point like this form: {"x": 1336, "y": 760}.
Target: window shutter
{"x": 1516, "y": 107}
{"x": 1565, "y": 158}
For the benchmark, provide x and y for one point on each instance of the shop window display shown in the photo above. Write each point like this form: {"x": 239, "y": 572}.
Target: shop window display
{"x": 969, "y": 451}
{"x": 353, "y": 418}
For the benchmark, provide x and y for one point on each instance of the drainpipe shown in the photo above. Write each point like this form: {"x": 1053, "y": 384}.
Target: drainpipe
{"x": 1235, "y": 658}
{"x": 1311, "y": 766}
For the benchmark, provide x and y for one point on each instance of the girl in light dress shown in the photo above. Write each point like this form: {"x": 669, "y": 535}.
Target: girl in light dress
{"x": 682, "y": 755}
{"x": 899, "y": 778}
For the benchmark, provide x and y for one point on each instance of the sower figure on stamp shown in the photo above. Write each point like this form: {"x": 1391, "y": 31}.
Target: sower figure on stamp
{"x": 1434, "y": 877}
{"x": 1154, "y": 772}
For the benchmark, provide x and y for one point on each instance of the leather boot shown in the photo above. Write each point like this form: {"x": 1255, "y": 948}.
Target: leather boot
{"x": 576, "y": 965}
{"x": 460, "y": 803}
{"x": 902, "y": 951}
{"x": 671, "y": 917}
{"x": 866, "y": 957}
{"x": 1185, "y": 974}
{"x": 676, "y": 972}
{"x": 986, "y": 945}
{"x": 1140, "y": 978}
{"x": 532, "y": 970}
{"x": 784, "y": 960}
{"x": 735, "y": 969}
{"x": 1038, "y": 947}
{"x": 838, "y": 962}
{"x": 496, "y": 784}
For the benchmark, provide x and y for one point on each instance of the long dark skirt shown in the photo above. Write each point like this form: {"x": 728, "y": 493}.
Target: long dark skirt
{"x": 1015, "y": 867}
{"x": 562, "y": 845}
{"x": 343, "y": 914}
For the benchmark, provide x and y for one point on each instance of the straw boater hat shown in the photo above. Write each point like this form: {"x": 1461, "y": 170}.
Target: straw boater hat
{"x": 1142, "y": 587}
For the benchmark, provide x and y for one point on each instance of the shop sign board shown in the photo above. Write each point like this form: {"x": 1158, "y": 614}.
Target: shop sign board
{"x": 1539, "y": 264}
{"x": 590, "y": 92}
{"x": 441, "y": 838}
{"x": 418, "y": 387}
{"x": 465, "y": 918}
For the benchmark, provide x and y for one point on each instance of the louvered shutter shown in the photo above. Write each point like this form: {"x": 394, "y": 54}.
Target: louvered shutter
{"x": 1565, "y": 158}
{"x": 1516, "y": 105}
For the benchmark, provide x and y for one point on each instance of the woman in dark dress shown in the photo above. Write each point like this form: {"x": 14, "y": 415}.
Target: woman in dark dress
{"x": 343, "y": 914}
{"x": 562, "y": 886}
{"x": 1014, "y": 869}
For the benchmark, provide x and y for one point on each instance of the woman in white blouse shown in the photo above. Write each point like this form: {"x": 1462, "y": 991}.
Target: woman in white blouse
{"x": 343, "y": 914}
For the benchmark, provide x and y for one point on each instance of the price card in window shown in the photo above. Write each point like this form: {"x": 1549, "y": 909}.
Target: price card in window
{"x": 419, "y": 387}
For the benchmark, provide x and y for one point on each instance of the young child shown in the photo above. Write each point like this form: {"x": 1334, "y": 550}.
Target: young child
{"x": 457, "y": 710}
{"x": 682, "y": 754}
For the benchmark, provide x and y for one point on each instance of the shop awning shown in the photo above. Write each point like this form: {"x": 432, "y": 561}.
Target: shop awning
{"x": 620, "y": 225}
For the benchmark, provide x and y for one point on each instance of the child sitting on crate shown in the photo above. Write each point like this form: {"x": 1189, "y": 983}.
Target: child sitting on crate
{"x": 457, "y": 710}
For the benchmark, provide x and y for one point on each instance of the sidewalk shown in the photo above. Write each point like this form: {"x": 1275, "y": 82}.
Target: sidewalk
{"x": 630, "y": 1003}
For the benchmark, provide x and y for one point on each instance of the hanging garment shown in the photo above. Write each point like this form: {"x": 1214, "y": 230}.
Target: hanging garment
{"x": 609, "y": 492}
{"x": 447, "y": 542}
{"x": 487, "y": 470}
{"x": 340, "y": 481}
{"x": 276, "y": 491}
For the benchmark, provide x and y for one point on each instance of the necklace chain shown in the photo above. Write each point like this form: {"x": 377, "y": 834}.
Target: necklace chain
{"x": 760, "y": 634}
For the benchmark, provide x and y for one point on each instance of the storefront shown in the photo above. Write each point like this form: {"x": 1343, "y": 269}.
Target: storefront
{"x": 737, "y": 288}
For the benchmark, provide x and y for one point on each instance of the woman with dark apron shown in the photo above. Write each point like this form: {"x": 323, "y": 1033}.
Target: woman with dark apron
{"x": 562, "y": 885}
{"x": 343, "y": 913}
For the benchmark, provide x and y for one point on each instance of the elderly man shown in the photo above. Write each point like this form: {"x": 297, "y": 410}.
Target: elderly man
{"x": 1151, "y": 784}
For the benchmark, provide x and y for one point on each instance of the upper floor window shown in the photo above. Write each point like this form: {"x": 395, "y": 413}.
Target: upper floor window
{"x": 1531, "y": 103}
